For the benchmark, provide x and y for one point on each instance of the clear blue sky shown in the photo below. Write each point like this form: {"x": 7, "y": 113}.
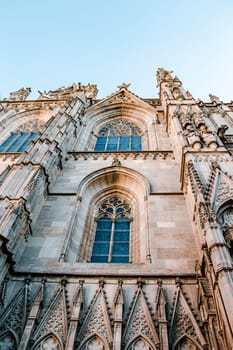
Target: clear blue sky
{"x": 51, "y": 43}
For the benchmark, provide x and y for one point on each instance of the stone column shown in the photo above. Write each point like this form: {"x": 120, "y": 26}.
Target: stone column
{"x": 118, "y": 317}
{"x": 77, "y": 304}
{"x": 23, "y": 345}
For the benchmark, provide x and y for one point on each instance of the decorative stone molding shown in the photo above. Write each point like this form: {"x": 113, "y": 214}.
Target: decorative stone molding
{"x": 122, "y": 155}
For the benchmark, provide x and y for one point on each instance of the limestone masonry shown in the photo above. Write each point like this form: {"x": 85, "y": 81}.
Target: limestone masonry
{"x": 116, "y": 220}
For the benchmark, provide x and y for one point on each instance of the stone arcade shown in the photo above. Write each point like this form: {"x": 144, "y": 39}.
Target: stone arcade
{"x": 116, "y": 220}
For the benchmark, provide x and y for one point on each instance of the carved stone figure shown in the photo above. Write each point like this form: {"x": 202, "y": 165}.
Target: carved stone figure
{"x": 177, "y": 93}
{"x": 70, "y": 91}
{"x": 198, "y": 120}
{"x": 192, "y": 137}
{"x": 19, "y": 95}
{"x": 185, "y": 120}
{"x": 116, "y": 162}
{"x": 228, "y": 217}
{"x": 214, "y": 98}
{"x": 221, "y": 131}
{"x": 208, "y": 137}
{"x": 163, "y": 75}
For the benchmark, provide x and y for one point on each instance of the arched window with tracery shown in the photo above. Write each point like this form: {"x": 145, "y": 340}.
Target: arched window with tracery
{"x": 112, "y": 236}
{"x": 120, "y": 135}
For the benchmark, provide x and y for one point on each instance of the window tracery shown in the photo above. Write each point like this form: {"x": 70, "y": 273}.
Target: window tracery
{"x": 119, "y": 135}
{"x": 112, "y": 235}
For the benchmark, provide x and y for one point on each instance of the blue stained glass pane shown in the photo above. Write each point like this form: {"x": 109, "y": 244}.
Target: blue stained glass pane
{"x": 122, "y": 236}
{"x": 136, "y": 143}
{"x": 122, "y": 224}
{"x": 100, "y": 249}
{"x": 104, "y": 223}
{"x": 120, "y": 249}
{"x": 99, "y": 147}
{"x": 99, "y": 258}
{"x": 124, "y": 143}
{"x": 120, "y": 259}
{"x": 102, "y": 236}
{"x": 15, "y": 146}
{"x": 100, "y": 143}
{"x": 8, "y": 141}
{"x": 112, "y": 143}
{"x": 101, "y": 139}
{"x": 26, "y": 143}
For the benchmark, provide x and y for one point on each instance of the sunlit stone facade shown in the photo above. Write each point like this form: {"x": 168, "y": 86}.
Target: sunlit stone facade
{"x": 116, "y": 220}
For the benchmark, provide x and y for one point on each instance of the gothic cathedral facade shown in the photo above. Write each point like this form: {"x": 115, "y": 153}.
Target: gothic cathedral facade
{"x": 116, "y": 219}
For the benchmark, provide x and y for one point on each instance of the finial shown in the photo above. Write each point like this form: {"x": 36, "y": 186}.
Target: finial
{"x": 123, "y": 86}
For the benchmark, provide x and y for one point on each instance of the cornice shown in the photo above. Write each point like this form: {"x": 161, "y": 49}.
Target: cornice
{"x": 123, "y": 155}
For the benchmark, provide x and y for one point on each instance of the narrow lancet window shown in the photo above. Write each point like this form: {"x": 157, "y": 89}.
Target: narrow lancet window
{"x": 112, "y": 237}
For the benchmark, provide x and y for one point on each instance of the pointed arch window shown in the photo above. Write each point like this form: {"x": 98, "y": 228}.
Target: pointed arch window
{"x": 119, "y": 136}
{"x": 17, "y": 142}
{"x": 112, "y": 236}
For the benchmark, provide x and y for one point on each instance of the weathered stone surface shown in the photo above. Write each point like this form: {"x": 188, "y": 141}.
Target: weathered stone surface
{"x": 175, "y": 291}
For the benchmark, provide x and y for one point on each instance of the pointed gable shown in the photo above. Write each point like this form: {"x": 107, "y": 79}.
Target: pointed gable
{"x": 222, "y": 189}
{"x": 97, "y": 320}
{"x": 120, "y": 98}
{"x": 183, "y": 322}
{"x": 139, "y": 323}
{"x": 14, "y": 317}
{"x": 55, "y": 318}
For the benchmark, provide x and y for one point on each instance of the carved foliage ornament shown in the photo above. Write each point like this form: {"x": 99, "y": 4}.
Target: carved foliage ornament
{"x": 225, "y": 191}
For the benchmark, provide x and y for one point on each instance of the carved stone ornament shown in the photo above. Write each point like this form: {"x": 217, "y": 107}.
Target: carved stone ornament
{"x": 124, "y": 86}
{"x": 19, "y": 95}
{"x": 192, "y": 137}
{"x": 123, "y": 96}
{"x": 70, "y": 91}
{"x": 54, "y": 319}
{"x": 214, "y": 98}
{"x": 163, "y": 75}
{"x": 208, "y": 137}
{"x": 116, "y": 162}
{"x": 177, "y": 94}
{"x": 225, "y": 192}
